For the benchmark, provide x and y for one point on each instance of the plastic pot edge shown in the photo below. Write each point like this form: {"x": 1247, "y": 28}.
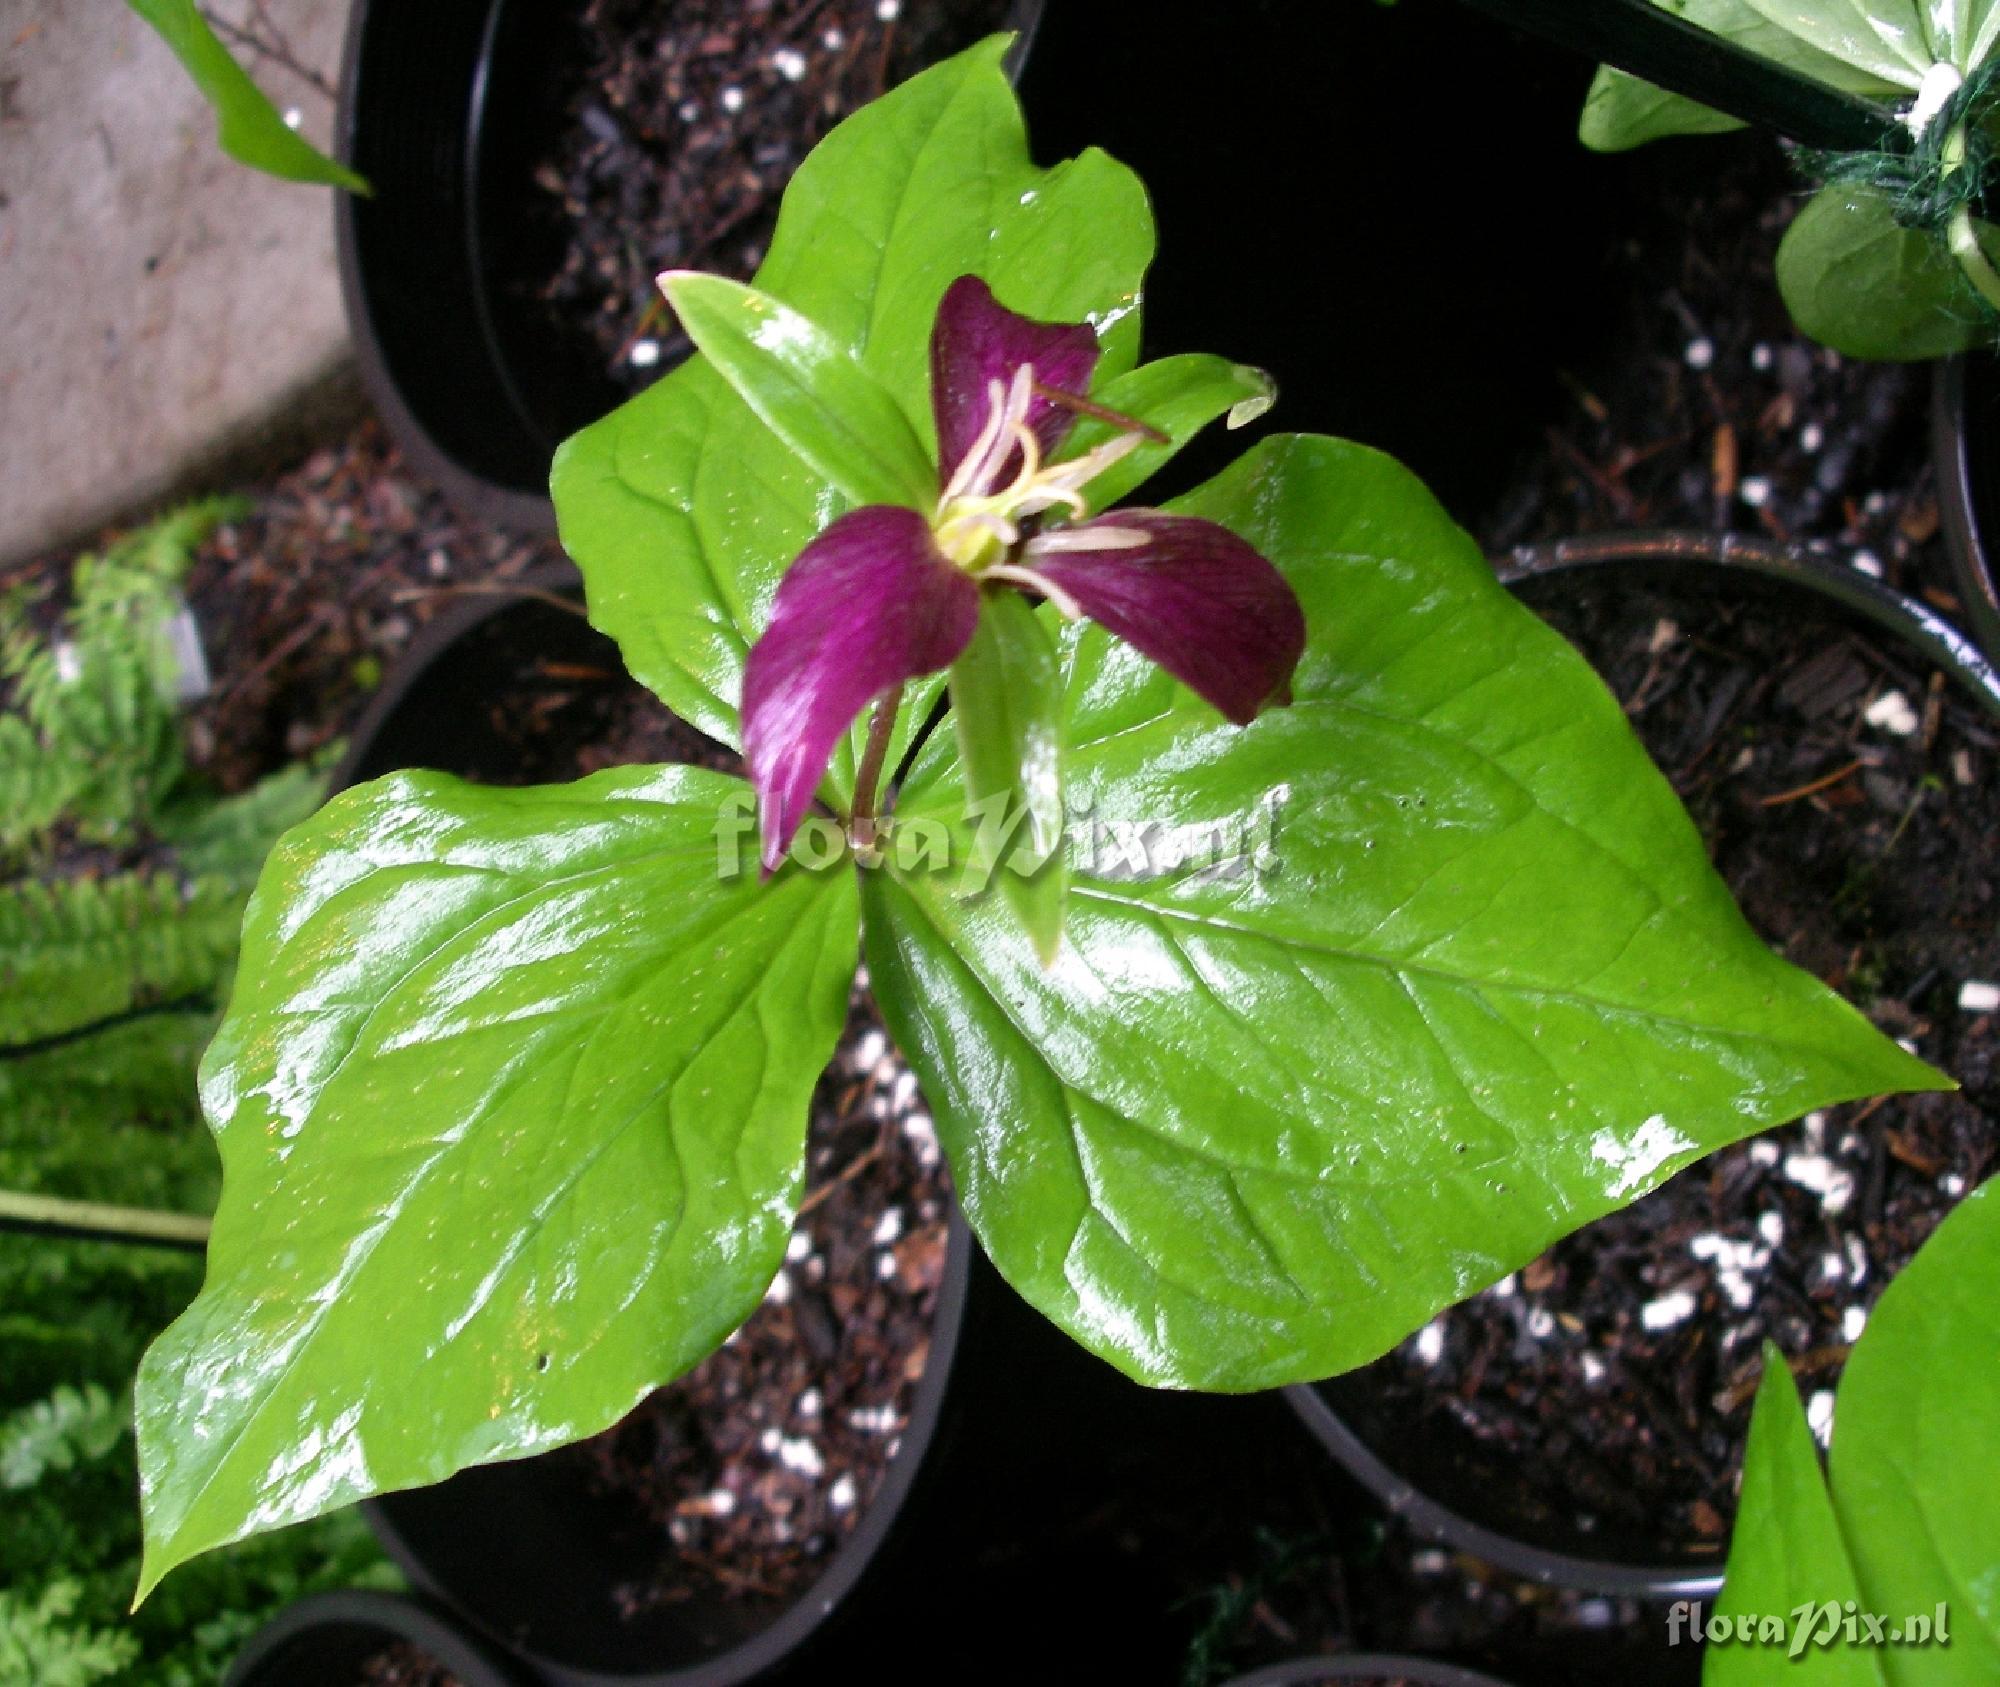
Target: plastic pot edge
{"x": 522, "y": 512}
{"x": 1966, "y": 536}
{"x": 1364, "y": 1666}
{"x": 396, "y": 1615}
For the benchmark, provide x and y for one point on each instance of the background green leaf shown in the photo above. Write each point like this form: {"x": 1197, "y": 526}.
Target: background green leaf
{"x": 1857, "y": 280}
{"x": 1792, "y": 1555}
{"x": 1257, "y": 1126}
{"x": 247, "y": 125}
{"x": 684, "y": 510}
{"x": 511, "y": 1104}
{"x": 1177, "y": 395}
{"x": 1886, "y": 39}
{"x": 808, "y": 389}
{"x": 1914, "y": 1476}
{"x": 1914, "y": 1518}
{"x": 1623, "y": 111}
{"x": 1006, "y": 705}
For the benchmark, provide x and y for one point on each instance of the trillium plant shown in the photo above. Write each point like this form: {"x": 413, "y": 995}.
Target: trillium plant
{"x": 511, "y": 1094}
{"x": 1893, "y": 256}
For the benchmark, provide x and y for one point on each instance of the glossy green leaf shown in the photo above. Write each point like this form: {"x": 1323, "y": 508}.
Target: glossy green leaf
{"x": 1178, "y": 396}
{"x": 1858, "y": 281}
{"x": 1975, "y": 32}
{"x": 1912, "y": 1529}
{"x": 1623, "y": 111}
{"x": 1915, "y": 1481}
{"x": 807, "y": 388}
{"x": 247, "y": 126}
{"x": 1361, "y": 1006}
{"x": 684, "y": 510}
{"x": 511, "y": 1102}
{"x": 1886, "y": 39}
{"x": 1790, "y": 1556}
{"x": 1006, "y": 703}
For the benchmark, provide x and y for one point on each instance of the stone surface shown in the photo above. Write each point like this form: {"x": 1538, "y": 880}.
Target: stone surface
{"x": 166, "y": 315}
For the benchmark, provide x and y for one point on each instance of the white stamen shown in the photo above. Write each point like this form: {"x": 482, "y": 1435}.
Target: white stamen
{"x": 1066, "y": 606}
{"x": 1096, "y": 537}
{"x": 972, "y": 464}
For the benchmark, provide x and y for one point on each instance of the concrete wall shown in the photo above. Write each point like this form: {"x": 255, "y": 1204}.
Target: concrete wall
{"x": 166, "y": 316}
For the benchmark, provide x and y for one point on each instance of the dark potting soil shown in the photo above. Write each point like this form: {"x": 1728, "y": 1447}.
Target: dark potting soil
{"x": 405, "y": 1665}
{"x": 1709, "y": 410}
{"x": 759, "y": 1461}
{"x": 1848, "y": 797}
{"x": 687, "y": 122}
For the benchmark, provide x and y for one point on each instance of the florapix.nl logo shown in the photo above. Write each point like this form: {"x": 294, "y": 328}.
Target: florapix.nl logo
{"x": 1816, "y": 1626}
{"x": 995, "y": 836}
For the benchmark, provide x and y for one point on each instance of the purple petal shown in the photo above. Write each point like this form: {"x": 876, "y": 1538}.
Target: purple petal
{"x": 975, "y": 341}
{"x": 1187, "y": 593}
{"x": 869, "y": 604}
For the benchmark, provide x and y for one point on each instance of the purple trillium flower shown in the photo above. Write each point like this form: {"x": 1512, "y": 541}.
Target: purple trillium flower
{"x": 886, "y": 594}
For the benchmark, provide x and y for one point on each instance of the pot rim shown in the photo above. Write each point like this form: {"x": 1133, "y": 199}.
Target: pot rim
{"x": 525, "y": 512}
{"x": 1812, "y": 568}
{"x": 1965, "y": 546}
{"x": 397, "y": 1616}
{"x": 1360, "y": 1666}
{"x": 1889, "y": 611}
{"x": 851, "y": 1559}
{"x": 505, "y": 506}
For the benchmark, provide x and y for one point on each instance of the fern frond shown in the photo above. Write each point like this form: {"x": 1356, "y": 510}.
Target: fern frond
{"x": 40, "y": 1648}
{"x": 228, "y": 837}
{"x": 93, "y": 733}
{"x": 165, "y": 546}
{"x": 81, "y": 952}
{"x": 69, "y": 1428}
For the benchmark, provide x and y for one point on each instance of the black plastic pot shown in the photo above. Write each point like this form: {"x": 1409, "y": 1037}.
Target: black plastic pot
{"x": 444, "y": 106}
{"x": 1017, "y": 1444}
{"x": 324, "y": 1641}
{"x": 1334, "y": 205}
{"x": 1435, "y": 1482}
{"x": 1965, "y": 441}
{"x": 1373, "y": 1667}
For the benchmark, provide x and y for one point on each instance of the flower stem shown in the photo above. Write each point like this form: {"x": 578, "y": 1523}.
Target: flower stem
{"x": 867, "y": 782}
{"x": 1962, "y": 237}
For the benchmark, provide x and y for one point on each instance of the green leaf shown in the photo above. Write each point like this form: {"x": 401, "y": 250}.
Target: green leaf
{"x": 1885, "y": 39}
{"x": 1177, "y": 395}
{"x": 511, "y": 1103}
{"x": 1856, "y": 280}
{"x": 684, "y": 510}
{"x": 1623, "y": 111}
{"x": 1360, "y": 1007}
{"x": 247, "y": 125}
{"x": 1974, "y": 32}
{"x": 1914, "y": 1479}
{"x": 1006, "y": 700}
{"x": 808, "y": 389}
{"x": 1788, "y": 1552}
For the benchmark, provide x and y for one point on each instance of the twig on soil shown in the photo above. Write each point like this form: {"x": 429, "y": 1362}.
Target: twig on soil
{"x": 487, "y": 588}
{"x": 1812, "y": 786}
